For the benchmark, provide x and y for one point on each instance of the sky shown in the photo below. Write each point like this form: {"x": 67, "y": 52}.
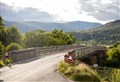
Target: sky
{"x": 101, "y": 11}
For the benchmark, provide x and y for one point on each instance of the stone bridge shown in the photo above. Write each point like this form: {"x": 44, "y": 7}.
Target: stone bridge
{"x": 18, "y": 55}
{"x": 91, "y": 55}
{"x": 88, "y": 54}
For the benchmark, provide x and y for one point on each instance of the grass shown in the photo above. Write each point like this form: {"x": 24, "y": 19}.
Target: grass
{"x": 84, "y": 73}
{"x": 79, "y": 72}
{"x": 118, "y": 75}
{"x": 112, "y": 74}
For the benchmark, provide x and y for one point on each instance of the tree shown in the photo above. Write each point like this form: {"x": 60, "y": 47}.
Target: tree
{"x": 13, "y": 46}
{"x": 93, "y": 42}
{"x": 2, "y": 35}
{"x": 13, "y": 35}
{"x": 61, "y": 35}
{"x": 2, "y": 23}
{"x": 41, "y": 38}
{"x": 116, "y": 44}
{"x": 1, "y": 49}
{"x": 113, "y": 57}
{"x": 51, "y": 41}
{"x": 2, "y": 31}
{"x": 35, "y": 39}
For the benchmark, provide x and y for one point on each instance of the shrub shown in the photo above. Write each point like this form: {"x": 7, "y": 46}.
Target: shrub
{"x": 63, "y": 66}
{"x": 84, "y": 73}
{"x": 80, "y": 72}
{"x": 8, "y": 61}
{"x": 13, "y": 46}
{"x": 1, "y": 63}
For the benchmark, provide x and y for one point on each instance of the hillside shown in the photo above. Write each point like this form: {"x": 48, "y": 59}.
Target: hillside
{"x": 106, "y": 34}
{"x": 68, "y": 26}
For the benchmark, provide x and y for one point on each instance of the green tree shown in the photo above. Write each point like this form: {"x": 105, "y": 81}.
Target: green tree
{"x": 2, "y": 23}
{"x": 51, "y": 41}
{"x": 2, "y": 35}
{"x": 13, "y": 46}
{"x": 2, "y": 31}
{"x": 1, "y": 49}
{"x": 92, "y": 42}
{"x": 116, "y": 44}
{"x": 35, "y": 39}
{"x": 61, "y": 35}
{"x": 113, "y": 57}
{"x": 41, "y": 38}
{"x": 13, "y": 35}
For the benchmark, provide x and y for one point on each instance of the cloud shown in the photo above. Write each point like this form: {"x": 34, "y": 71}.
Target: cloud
{"x": 101, "y": 10}
{"x": 11, "y": 13}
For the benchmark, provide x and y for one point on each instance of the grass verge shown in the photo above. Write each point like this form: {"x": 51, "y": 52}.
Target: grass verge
{"x": 7, "y": 61}
{"x": 79, "y": 72}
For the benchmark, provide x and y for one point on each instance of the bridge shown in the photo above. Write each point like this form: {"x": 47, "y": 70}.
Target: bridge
{"x": 87, "y": 54}
{"x": 90, "y": 55}
{"x": 38, "y": 64}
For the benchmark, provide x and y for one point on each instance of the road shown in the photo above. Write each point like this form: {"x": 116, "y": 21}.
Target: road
{"x": 42, "y": 69}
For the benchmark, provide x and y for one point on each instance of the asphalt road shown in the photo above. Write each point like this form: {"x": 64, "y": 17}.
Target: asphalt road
{"x": 39, "y": 69}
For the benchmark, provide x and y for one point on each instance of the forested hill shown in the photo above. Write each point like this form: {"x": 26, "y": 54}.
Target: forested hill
{"x": 27, "y": 26}
{"x": 106, "y": 34}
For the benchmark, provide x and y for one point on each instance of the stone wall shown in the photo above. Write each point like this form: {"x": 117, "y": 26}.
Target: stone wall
{"x": 97, "y": 57}
{"x": 39, "y": 51}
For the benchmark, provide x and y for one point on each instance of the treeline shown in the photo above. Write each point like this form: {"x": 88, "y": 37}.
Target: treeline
{"x": 12, "y": 39}
{"x": 102, "y": 35}
{"x": 42, "y": 38}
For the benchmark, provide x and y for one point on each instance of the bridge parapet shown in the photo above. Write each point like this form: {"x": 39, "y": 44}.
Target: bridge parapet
{"x": 38, "y": 51}
{"x": 92, "y": 55}
{"x": 87, "y": 50}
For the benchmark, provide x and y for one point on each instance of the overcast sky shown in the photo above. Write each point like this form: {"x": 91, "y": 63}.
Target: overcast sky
{"x": 101, "y": 11}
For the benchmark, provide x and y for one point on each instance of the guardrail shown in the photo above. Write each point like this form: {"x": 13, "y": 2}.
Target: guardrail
{"x": 38, "y": 51}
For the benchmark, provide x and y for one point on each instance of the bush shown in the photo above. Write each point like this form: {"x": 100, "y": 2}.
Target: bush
{"x": 1, "y": 63}
{"x": 80, "y": 72}
{"x": 85, "y": 73}
{"x": 13, "y": 46}
{"x": 8, "y": 61}
{"x": 63, "y": 67}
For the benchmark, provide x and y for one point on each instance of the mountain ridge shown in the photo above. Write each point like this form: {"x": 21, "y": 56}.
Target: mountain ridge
{"x": 26, "y": 26}
{"x": 109, "y": 24}
{"x": 105, "y": 34}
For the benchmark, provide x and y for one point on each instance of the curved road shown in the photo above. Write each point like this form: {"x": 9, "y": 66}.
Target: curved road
{"x": 42, "y": 69}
